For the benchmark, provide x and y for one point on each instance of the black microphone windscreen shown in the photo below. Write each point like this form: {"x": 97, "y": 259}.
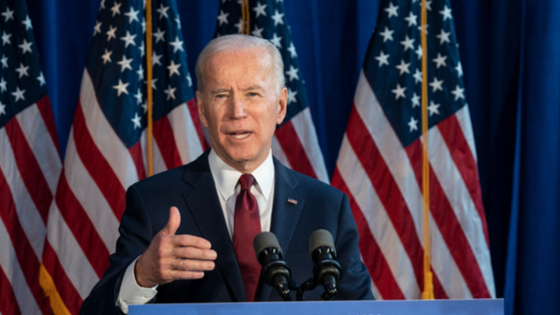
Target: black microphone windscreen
{"x": 321, "y": 238}
{"x": 265, "y": 240}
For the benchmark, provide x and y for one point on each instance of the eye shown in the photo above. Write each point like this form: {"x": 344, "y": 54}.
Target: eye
{"x": 252, "y": 94}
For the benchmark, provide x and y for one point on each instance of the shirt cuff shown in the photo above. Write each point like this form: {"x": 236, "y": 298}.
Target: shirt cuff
{"x": 131, "y": 293}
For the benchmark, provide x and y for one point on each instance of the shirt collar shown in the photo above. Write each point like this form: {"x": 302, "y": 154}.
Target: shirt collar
{"x": 226, "y": 177}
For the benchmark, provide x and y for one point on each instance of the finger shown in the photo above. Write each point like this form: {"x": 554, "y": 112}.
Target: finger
{"x": 186, "y": 275}
{"x": 190, "y": 252}
{"x": 190, "y": 240}
{"x": 173, "y": 223}
{"x": 192, "y": 265}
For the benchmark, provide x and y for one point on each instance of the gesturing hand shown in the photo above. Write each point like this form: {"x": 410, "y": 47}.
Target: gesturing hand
{"x": 172, "y": 257}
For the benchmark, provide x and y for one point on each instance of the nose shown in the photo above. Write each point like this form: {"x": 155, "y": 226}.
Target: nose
{"x": 237, "y": 108}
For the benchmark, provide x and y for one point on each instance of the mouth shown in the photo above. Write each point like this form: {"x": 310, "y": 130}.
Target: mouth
{"x": 239, "y": 135}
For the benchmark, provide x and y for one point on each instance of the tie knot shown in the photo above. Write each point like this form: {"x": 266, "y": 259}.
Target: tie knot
{"x": 246, "y": 181}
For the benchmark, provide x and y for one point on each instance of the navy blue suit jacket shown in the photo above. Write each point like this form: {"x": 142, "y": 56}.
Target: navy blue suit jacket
{"x": 191, "y": 188}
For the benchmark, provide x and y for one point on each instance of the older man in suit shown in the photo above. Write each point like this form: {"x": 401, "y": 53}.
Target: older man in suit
{"x": 186, "y": 234}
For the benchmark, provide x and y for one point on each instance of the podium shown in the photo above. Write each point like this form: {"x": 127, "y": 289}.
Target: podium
{"x": 409, "y": 307}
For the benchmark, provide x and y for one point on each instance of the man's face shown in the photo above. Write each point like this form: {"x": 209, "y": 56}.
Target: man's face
{"x": 241, "y": 106}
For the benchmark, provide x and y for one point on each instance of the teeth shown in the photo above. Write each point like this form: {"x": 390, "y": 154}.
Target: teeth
{"x": 240, "y": 135}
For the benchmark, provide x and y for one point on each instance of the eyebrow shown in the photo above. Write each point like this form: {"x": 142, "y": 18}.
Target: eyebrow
{"x": 254, "y": 87}
{"x": 217, "y": 91}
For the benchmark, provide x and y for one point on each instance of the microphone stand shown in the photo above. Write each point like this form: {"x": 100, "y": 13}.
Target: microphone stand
{"x": 311, "y": 284}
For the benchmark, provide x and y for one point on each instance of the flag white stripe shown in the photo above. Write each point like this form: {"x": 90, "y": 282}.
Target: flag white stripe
{"x": 184, "y": 131}
{"x": 390, "y": 148}
{"x": 464, "y": 119}
{"x": 104, "y": 137}
{"x": 27, "y": 212}
{"x": 305, "y": 129}
{"x": 460, "y": 199}
{"x": 90, "y": 197}
{"x": 70, "y": 254}
{"x": 279, "y": 153}
{"x": 39, "y": 139}
{"x": 9, "y": 263}
{"x": 379, "y": 223}
{"x": 159, "y": 163}
{"x": 375, "y": 291}
{"x": 445, "y": 267}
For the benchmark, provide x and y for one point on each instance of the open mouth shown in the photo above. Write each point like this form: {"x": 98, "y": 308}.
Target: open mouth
{"x": 240, "y": 134}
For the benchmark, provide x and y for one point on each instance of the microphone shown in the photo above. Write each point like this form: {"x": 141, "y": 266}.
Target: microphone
{"x": 326, "y": 270}
{"x": 275, "y": 271}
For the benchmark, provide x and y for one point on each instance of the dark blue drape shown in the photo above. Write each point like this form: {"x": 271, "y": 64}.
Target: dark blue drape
{"x": 537, "y": 177}
{"x": 510, "y": 53}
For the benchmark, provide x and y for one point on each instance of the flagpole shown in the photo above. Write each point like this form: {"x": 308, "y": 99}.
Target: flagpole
{"x": 248, "y": 16}
{"x": 149, "y": 76}
{"x": 428, "y": 290}
{"x": 243, "y": 24}
{"x": 245, "y": 16}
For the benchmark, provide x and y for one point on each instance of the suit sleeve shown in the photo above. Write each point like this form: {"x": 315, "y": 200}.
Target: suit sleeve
{"x": 136, "y": 233}
{"x": 355, "y": 282}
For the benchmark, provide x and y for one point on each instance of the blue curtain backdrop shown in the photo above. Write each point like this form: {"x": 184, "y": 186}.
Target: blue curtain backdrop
{"x": 511, "y": 58}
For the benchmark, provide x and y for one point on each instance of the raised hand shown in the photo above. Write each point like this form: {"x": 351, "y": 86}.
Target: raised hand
{"x": 172, "y": 257}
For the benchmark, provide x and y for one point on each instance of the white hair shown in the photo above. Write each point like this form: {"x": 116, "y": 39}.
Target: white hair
{"x": 238, "y": 42}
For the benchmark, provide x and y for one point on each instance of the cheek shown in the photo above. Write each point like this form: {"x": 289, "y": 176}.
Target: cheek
{"x": 212, "y": 124}
{"x": 212, "y": 116}
{"x": 270, "y": 126}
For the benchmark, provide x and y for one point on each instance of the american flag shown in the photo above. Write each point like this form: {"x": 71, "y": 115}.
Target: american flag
{"x": 295, "y": 142}
{"x": 107, "y": 149}
{"x": 380, "y": 161}
{"x": 30, "y": 163}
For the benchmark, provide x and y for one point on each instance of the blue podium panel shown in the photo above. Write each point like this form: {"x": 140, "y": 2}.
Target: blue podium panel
{"x": 416, "y": 307}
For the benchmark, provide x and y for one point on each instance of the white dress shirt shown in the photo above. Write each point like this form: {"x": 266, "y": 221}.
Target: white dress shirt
{"x": 226, "y": 178}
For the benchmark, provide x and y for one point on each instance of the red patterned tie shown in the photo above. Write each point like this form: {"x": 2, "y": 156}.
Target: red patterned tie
{"x": 246, "y": 226}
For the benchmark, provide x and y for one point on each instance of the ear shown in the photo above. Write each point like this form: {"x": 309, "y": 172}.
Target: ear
{"x": 282, "y": 105}
{"x": 200, "y": 106}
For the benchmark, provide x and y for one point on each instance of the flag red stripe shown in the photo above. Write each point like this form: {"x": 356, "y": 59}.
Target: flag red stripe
{"x": 29, "y": 169}
{"x": 97, "y": 166}
{"x": 163, "y": 135}
{"x": 293, "y": 149}
{"x": 466, "y": 164}
{"x": 64, "y": 286}
{"x": 387, "y": 189}
{"x": 193, "y": 109}
{"x": 373, "y": 257}
{"x": 8, "y": 302}
{"x": 82, "y": 228}
{"x": 28, "y": 261}
{"x": 44, "y": 107}
{"x": 448, "y": 224}
{"x": 138, "y": 159}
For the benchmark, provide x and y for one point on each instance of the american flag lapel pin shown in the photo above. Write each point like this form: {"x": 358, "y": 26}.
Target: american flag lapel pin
{"x": 292, "y": 201}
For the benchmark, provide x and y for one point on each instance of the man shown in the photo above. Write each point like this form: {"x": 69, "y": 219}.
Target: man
{"x": 202, "y": 251}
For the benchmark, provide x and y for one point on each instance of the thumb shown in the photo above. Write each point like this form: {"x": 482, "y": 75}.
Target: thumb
{"x": 173, "y": 223}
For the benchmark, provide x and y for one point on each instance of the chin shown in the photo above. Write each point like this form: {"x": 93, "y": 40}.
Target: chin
{"x": 241, "y": 156}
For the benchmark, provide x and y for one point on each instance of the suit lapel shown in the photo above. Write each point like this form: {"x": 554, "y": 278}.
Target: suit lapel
{"x": 202, "y": 200}
{"x": 285, "y": 214}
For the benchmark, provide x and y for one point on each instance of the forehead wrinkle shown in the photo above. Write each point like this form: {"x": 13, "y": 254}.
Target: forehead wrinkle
{"x": 219, "y": 71}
